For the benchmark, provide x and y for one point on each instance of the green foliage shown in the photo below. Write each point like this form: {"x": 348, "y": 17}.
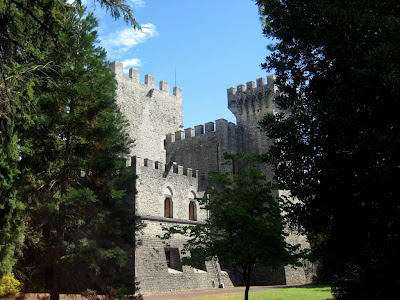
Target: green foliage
{"x": 74, "y": 174}
{"x": 9, "y": 286}
{"x": 337, "y": 66}
{"x": 116, "y": 8}
{"x": 29, "y": 31}
{"x": 245, "y": 224}
{"x": 24, "y": 37}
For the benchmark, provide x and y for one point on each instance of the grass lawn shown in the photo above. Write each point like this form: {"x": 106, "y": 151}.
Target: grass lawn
{"x": 296, "y": 293}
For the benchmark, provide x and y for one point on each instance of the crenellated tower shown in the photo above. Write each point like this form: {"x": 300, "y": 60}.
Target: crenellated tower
{"x": 251, "y": 103}
{"x": 172, "y": 166}
{"x": 152, "y": 112}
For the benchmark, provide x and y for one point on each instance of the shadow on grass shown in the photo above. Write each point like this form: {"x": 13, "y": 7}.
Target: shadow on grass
{"x": 310, "y": 286}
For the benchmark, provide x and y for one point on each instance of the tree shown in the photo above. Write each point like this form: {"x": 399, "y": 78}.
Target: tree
{"x": 116, "y": 8}
{"x": 245, "y": 224}
{"x": 338, "y": 150}
{"x": 29, "y": 30}
{"x": 24, "y": 39}
{"x": 79, "y": 181}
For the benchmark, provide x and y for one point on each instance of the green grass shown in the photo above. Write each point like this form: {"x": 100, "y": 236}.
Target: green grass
{"x": 296, "y": 293}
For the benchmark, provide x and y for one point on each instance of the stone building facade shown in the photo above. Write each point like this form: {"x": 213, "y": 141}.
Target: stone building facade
{"x": 172, "y": 165}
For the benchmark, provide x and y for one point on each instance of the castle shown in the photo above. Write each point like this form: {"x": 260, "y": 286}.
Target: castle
{"x": 172, "y": 166}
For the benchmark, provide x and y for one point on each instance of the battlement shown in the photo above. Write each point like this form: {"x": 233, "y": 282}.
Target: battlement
{"x": 221, "y": 125}
{"x": 170, "y": 168}
{"x": 252, "y": 102}
{"x": 251, "y": 88}
{"x": 134, "y": 75}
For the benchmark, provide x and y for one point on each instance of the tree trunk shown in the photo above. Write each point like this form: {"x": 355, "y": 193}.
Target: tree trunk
{"x": 55, "y": 294}
{"x": 246, "y": 277}
{"x": 55, "y": 291}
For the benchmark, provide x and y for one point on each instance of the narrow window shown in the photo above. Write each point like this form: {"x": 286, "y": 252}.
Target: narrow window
{"x": 173, "y": 259}
{"x": 168, "y": 257}
{"x": 192, "y": 211}
{"x": 168, "y": 208}
{"x": 165, "y": 144}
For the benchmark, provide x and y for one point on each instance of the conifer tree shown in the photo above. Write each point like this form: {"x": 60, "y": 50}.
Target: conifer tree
{"x": 86, "y": 239}
{"x": 29, "y": 30}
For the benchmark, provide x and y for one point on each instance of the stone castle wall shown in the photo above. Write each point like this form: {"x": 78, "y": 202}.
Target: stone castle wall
{"x": 173, "y": 163}
{"x": 157, "y": 181}
{"x": 250, "y": 104}
{"x": 151, "y": 112}
{"x": 152, "y": 270}
{"x": 204, "y": 149}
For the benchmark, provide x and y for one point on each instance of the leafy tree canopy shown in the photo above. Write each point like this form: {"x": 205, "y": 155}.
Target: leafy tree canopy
{"x": 245, "y": 224}
{"x": 337, "y": 65}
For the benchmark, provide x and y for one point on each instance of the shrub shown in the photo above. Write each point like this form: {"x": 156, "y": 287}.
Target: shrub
{"x": 9, "y": 285}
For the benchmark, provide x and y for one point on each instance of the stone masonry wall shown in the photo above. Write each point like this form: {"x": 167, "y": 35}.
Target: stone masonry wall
{"x": 151, "y": 112}
{"x": 249, "y": 105}
{"x": 204, "y": 149}
{"x": 155, "y": 276}
{"x": 155, "y": 182}
{"x": 172, "y": 163}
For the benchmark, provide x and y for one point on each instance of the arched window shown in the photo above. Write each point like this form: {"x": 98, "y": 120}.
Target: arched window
{"x": 192, "y": 211}
{"x": 168, "y": 208}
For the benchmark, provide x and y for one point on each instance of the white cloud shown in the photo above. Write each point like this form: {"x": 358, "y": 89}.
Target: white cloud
{"x": 125, "y": 39}
{"x": 138, "y": 3}
{"x": 129, "y": 63}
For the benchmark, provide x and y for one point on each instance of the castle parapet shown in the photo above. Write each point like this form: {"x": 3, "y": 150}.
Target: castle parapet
{"x": 164, "y": 86}
{"x": 189, "y": 132}
{"x": 209, "y": 127}
{"x": 134, "y": 75}
{"x": 172, "y": 168}
{"x": 149, "y": 80}
{"x": 177, "y": 91}
{"x": 220, "y": 125}
{"x": 198, "y": 130}
{"x": 179, "y": 135}
{"x": 253, "y": 99}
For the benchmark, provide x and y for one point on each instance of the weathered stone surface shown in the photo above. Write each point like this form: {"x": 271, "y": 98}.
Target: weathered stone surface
{"x": 173, "y": 163}
{"x": 155, "y": 276}
{"x": 205, "y": 150}
{"x": 152, "y": 113}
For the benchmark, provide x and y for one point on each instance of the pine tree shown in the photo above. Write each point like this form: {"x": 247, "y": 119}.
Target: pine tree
{"x": 26, "y": 33}
{"x": 79, "y": 181}
{"x": 29, "y": 30}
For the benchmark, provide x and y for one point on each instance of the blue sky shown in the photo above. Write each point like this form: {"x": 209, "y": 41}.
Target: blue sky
{"x": 212, "y": 45}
